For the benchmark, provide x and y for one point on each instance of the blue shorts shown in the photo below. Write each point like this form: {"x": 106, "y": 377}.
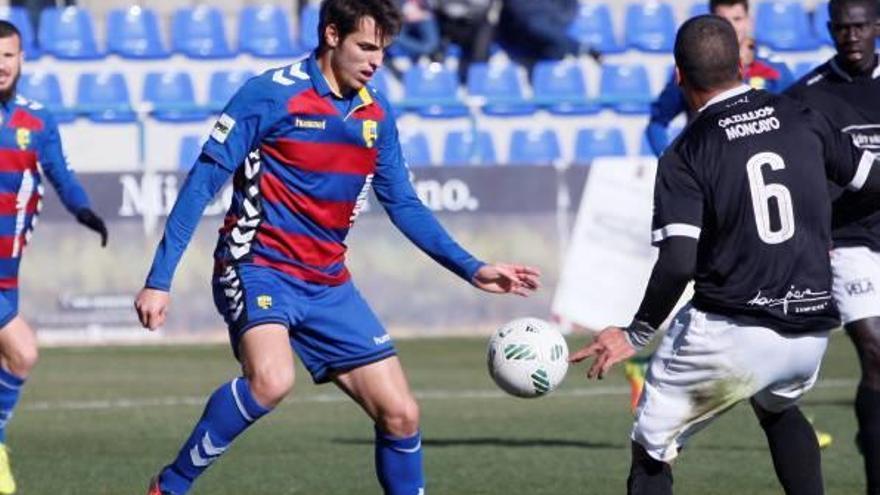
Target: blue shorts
{"x": 8, "y": 306}
{"x": 331, "y": 328}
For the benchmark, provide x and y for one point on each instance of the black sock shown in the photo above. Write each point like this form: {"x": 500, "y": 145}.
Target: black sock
{"x": 868, "y": 414}
{"x": 795, "y": 451}
{"x": 648, "y": 476}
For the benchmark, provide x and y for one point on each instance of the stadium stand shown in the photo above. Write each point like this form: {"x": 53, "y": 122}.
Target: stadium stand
{"x": 18, "y": 17}
{"x": 783, "y": 25}
{"x": 415, "y": 149}
{"x": 134, "y": 33}
{"x": 594, "y": 143}
{"x": 200, "y": 33}
{"x": 264, "y": 31}
{"x": 69, "y": 33}
{"x": 501, "y": 87}
{"x": 650, "y": 26}
{"x": 467, "y": 148}
{"x": 594, "y": 28}
{"x": 560, "y": 88}
{"x": 534, "y": 147}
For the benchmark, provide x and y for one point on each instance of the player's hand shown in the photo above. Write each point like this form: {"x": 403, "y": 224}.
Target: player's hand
{"x": 504, "y": 278}
{"x": 152, "y": 307}
{"x": 610, "y": 347}
{"x": 88, "y": 218}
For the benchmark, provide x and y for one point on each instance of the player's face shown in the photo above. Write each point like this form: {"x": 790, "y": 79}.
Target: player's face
{"x": 10, "y": 63}
{"x": 854, "y": 30}
{"x": 739, "y": 17}
{"x": 358, "y": 56}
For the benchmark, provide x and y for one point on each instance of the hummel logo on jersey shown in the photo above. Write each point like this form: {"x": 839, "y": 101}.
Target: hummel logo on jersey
{"x": 222, "y": 128}
{"x": 859, "y": 287}
{"x": 310, "y": 124}
{"x": 382, "y": 340}
{"x": 289, "y": 76}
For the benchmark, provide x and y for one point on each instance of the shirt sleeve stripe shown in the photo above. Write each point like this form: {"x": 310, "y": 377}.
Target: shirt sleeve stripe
{"x": 675, "y": 229}
{"x": 862, "y": 172}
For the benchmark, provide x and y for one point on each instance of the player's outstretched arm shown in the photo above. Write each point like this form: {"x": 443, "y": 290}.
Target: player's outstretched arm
{"x": 505, "y": 278}
{"x": 152, "y": 307}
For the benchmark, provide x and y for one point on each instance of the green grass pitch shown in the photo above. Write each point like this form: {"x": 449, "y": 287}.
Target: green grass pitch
{"x": 102, "y": 421}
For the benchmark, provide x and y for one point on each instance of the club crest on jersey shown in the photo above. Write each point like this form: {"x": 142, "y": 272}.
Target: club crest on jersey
{"x": 264, "y": 301}
{"x": 758, "y": 83}
{"x": 371, "y": 132}
{"x": 23, "y": 138}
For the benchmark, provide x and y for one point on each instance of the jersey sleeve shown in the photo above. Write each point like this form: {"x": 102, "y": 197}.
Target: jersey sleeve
{"x": 54, "y": 165}
{"x": 396, "y": 194}
{"x": 845, "y": 164}
{"x": 247, "y": 118}
{"x": 678, "y": 200}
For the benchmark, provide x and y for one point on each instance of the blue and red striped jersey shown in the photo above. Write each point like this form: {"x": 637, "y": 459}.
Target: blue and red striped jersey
{"x": 304, "y": 160}
{"x": 29, "y": 144}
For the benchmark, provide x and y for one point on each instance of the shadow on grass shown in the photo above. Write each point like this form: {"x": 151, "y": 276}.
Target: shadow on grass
{"x": 499, "y": 442}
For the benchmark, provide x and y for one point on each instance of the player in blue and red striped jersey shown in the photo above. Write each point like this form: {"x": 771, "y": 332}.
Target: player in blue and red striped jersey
{"x": 29, "y": 144}
{"x": 760, "y": 71}
{"x": 304, "y": 144}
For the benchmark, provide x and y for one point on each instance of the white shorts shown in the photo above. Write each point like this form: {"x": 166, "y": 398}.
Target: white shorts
{"x": 706, "y": 364}
{"x": 856, "y": 286}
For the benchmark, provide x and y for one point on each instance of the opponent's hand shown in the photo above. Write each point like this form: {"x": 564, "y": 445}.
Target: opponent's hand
{"x": 88, "y": 218}
{"x": 152, "y": 307}
{"x": 610, "y": 347}
{"x": 503, "y": 278}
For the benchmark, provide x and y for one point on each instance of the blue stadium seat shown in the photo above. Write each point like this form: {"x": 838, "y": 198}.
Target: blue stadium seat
{"x": 173, "y": 97}
{"x": 308, "y": 26}
{"x": 593, "y": 27}
{"x": 431, "y": 91}
{"x": 380, "y": 82}
{"x": 264, "y": 31}
{"x": 533, "y": 147}
{"x": 223, "y": 86}
{"x": 645, "y": 148}
{"x": 104, "y": 98}
{"x": 559, "y": 86}
{"x": 69, "y": 33}
{"x": 415, "y": 149}
{"x": 19, "y": 17}
{"x": 700, "y": 7}
{"x": 820, "y": 24}
{"x": 134, "y": 33}
{"x": 594, "y": 143}
{"x": 45, "y": 88}
{"x": 466, "y": 148}
{"x": 783, "y": 25}
{"x": 190, "y": 149}
{"x": 500, "y": 85}
{"x": 802, "y": 68}
{"x": 625, "y": 88}
{"x": 650, "y": 26}
{"x": 199, "y": 32}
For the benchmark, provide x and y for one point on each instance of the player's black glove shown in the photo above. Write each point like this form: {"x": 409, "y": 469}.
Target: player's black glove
{"x": 88, "y": 218}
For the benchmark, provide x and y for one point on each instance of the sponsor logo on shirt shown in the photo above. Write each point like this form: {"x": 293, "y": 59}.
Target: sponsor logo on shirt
{"x": 222, "y": 128}
{"x": 866, "y": 137}
{"x": 309, "y": 124}
{"x": 859, "y": 287}
{"x": 794, "y": 301}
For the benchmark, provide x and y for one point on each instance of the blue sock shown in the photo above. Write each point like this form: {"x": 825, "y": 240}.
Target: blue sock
{"x": 10, "y": 389}
{"x": 399, "y": 464}
{"x": 229, "y": 411}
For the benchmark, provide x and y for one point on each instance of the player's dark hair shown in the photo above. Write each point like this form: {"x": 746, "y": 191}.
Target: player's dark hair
{"x": 707, "y": 52}
{"x": 713, "y": 4}
{"x": 346, "y": 14}
{"x": 837, "y": 7}
{"x": 8, "y": 29}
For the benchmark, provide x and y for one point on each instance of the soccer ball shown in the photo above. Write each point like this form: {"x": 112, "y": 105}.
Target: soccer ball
{"x": 527, "y": 357}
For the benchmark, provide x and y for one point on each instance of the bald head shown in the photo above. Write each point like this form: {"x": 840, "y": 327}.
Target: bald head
{"x": 707, "y": 53}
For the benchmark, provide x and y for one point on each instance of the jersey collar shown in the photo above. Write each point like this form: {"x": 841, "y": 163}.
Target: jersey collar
{"x": 832, "y": 64}
{"x": 317, "y": 77}
{"x": 726, "y": 95}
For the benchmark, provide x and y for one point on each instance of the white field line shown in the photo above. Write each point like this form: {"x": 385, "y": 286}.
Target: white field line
{"x": 438, "y": 394}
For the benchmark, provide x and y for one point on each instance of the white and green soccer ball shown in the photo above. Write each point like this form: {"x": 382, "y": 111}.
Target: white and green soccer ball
{"x": 528, "y": 357}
